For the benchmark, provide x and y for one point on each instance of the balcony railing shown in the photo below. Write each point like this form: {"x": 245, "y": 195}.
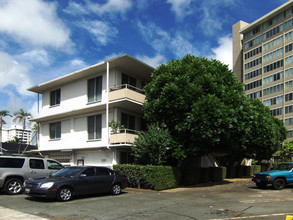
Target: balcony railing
{"x": 126, "y": 91}
{"x": 126, "y": 86}
{"x": 123, "y": 136}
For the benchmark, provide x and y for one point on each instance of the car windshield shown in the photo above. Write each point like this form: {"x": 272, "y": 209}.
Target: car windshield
{"x": 284, "y": 166}
{"x": 68, "y": 172}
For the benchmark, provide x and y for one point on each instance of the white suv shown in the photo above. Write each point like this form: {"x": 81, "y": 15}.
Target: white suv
{"x": 14, "y": 170}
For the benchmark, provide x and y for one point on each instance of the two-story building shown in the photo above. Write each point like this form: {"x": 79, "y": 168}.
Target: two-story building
{"x": 76, "y": 109}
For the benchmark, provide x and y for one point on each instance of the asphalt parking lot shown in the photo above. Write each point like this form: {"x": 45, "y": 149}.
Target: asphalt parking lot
{"x": 231, "y": 199}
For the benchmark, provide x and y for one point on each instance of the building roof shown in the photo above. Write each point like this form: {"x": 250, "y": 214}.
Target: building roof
{"x": 267, "y": 17}
{"x": 125, "y": 62}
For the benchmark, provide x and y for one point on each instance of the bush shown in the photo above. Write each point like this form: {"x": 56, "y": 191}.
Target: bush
{"x": 149, "y": 176}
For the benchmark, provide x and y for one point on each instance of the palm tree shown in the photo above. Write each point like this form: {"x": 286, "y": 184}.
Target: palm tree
{"x": 22, "y": 117}
{"x": 3, "y": 113}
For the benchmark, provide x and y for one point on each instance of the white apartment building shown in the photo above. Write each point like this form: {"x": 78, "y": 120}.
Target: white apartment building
{"x": 8, "y": 134}
{"x": 77, "y": 108}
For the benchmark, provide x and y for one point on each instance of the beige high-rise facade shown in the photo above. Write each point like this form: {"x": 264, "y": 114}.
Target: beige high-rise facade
{"x": 263, "y": 61}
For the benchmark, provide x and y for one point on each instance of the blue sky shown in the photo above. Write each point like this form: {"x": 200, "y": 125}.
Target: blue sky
{"x": 44, "y": 39}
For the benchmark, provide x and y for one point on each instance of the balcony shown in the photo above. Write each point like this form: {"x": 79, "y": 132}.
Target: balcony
{"x": 123, "y": 136}
{"x": 126, "y": 92}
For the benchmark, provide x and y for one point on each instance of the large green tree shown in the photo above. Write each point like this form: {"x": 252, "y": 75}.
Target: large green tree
{"x": 203, "y": 106}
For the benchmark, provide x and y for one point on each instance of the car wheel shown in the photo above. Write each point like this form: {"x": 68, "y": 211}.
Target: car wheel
{"x": 261, "y": 185}
{"x": 279, "y": 183}
{"x": 13, "y": 186}
{"x": 64, "y": 194}
{"x": 116, "y": 189}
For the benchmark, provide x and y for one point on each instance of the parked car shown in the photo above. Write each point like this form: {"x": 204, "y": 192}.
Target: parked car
{"x": 279, "y": 177}
{"x": 74, "y": 181}
{"x": 14, "y": 170}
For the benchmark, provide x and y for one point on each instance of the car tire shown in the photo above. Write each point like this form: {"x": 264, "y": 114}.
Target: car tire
{"x": 261, "y": 185}
{"x": 64, "y": 194}
{"x": 13, "y": 186}
{"x": 116, "y": 189}
{"x": 279, "y": 183}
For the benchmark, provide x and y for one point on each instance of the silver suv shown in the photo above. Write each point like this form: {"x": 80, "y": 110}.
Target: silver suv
{"x": 14, "y": 170}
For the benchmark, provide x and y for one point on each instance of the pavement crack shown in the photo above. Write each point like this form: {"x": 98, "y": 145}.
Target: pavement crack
{"x": 244, "y": 211}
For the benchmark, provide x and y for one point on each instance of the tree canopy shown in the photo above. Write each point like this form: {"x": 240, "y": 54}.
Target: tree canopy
{"x": 204, "y": 108}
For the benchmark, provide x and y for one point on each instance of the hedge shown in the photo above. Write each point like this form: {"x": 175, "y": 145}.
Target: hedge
{"x": 150, "y": 177}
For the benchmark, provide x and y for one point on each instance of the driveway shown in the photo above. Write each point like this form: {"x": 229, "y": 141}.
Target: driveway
{"x": 231, "y": 199}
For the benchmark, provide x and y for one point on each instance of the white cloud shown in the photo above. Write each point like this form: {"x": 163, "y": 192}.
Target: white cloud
{"x": 14, "y": 74}
{"x": 162, "y": 42}
{"x": 34, "y": 22}
{"x": 37, "y": 56}
{"x": 210, "y": 23}
{"x": 78, "y": 63}
{"x": 101, "y": 31}
{"x": 181, "y": 8}
{"x": 120, "y": 6}
{"x": 224, "y": 51}
{"x": 111, "y": 6}
{"x": 75, "y": 8}
{"x": 152, "y": 61}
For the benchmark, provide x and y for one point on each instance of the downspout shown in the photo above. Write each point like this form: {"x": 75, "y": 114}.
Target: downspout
{"x": 107, "y": 106}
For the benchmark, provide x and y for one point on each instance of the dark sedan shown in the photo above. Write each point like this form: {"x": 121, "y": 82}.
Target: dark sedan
{"x": 74, "y": 181}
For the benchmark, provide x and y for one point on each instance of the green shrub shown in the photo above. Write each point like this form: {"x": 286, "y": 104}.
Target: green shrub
{"x": 191, "y": 176}
{"x": 217, "y": 173}
{"x": 204, "y": 175}
{"x": 149, "y": 176}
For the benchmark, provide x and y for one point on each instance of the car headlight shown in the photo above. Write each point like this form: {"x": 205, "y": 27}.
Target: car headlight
{"x": 47, "y": 185}
{"x": 268, "y": 177}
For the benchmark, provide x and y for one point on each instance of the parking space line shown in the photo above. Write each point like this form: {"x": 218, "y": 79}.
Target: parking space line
{"x": 266, "y": 200}
{"x": 255, "y": 216}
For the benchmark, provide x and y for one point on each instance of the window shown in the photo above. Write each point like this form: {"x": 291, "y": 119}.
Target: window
{"x": 272, "y": 32}
{"x": 55, "y": 97}
{"x": 253, "y": 63}
{"x": 288, "y": 109}
{"x": 128, "y": 80}
{"x": 254, "y": 95}
{"x": 273, "y": 66}
{"x": 128, "y": 121}
{"x": 95, "y": 127}
{"x": 11, "y": 162}
{"x": 252, "y": 53}
{"x": 253, "y": 85}
{"x": 289, "y": 97}
{"x": 290, "y": 134}
{"x": 55, "y": 130}
{"x": 95, "y": 89}
{"x": 37, "y": 164}
{"x": 288, "y": 48}
{"x": 276, "y": 112}
{"x": 273, "y": 78}
{"x": 253, "y": 74}
{"x": 273, "y": 55}
{"x": 288, "y": 121}
{"x": 102, "y": 171}
{"x": 89, "y": 172}
{"x": 273, "y": 101}
{"x": 273, "y": 89}
{"x": 273, "y": 43}
{"x": 53, "y": 165}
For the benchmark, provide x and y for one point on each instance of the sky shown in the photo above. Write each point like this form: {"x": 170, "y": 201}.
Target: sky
{"x": 41, "y": 40}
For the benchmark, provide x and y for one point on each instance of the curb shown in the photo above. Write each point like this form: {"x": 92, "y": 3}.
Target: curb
{"x": 8, "y": 214}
